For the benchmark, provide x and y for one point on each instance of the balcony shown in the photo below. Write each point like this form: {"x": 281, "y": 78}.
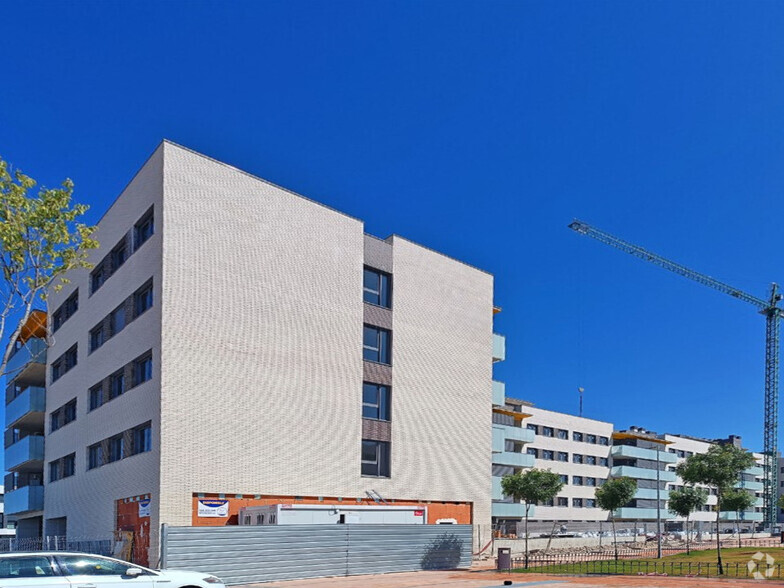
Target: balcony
{"x": 650, "y": 494}
{"x": 755, "y": 471}
{"x": 641, "y": 473}
{"x": 519, "y": 434}
{"x": 744, "y": 516}
{"x": 497, "y": 494}
{"x": 756, "y": 486}
{"x": 29, "y": 361}
{"x": 499, "y": 347}
{"x": 498, "y": 439}
{"x": 24, "y": 499}
{"x": 642, "y": 514}
{"x": 510, "y": 510}
{"x": 27, "y": 409}
{"x": 518, "y": 460}
{"x": 499, "y": 393}
{"x": 641, "y": 453}
{"x": 25, "y": 455}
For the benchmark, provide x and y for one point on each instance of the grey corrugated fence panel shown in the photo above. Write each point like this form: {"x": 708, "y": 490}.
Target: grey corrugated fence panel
{"x": 240, "y": 554}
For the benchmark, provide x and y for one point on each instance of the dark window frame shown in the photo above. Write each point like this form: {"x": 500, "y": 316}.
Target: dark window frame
{"x": 141, "y": 374}
{"x": 381, "y": 295}
{"x": 383, "y": 345}
{"x": 383, "y": 404}
{"x": 144, "y": 229}
{"x": 381, "y": 462}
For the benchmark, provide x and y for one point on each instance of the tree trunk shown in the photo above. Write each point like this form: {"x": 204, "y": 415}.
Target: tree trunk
{"x": 737, "y": 514}
{"x": 615, "y": 537}
{"x": 527, "y": 507}
{"x": 550, "y": 539}
{"x": 718, "y": 538}
{"x": 687, "y": 535}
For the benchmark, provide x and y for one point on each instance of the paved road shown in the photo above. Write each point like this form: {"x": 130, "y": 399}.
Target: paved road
{"x": 496, "y": 580}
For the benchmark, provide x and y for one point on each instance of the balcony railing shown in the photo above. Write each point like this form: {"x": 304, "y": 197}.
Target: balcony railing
{"x": 641, "y": 473}
{"x": 518, "y": 460}
{"x": 499, "y": 347}
{"x": 632, "y": 451}
{"x": 26, "y": 409}
{"x": 499, "y": 393}
{"x": 642, "y": 513}
{"x": 744, "y": 516}
{"x": 25, "y": 454}
{"x": 650, "y": 494}
{"x": 32, "y": 352}
{"x": 25, "y": 499}
{"x": 510, "y": 510}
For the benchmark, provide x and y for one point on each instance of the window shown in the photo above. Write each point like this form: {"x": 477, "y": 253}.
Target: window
{"x": 69, "y": 412}
{"x": 535, "y": 452}
{"x": 54, "y": 421}
{"x": 604, "y": 441}
{"x": 142, "y": 300}
{"x": 547, "y": 431}
{"x": 535, "y": 429}
{"x": 375, "y": 344}
{"x": 37, "y": 566}
{"x": 577, "y": 458}
{"x": 375, "y": 402}
{"x": 116, "y": 448}
{"x": 142, "y": 439}
{"x": 64, "y": 363}
{"x": 69, "y": 465}
{"x": 97, "y": 337}
{"x": 577, "y": 436}
{"x": 375, "y": 458}
{"x": 119, "y": 254}
{"x": 142, "y": 369}
{"x": 116, "y": 384}
{"x": 562, "y": 501}
{"x": 547, "y": 454}
{"x": 577, "y": 502}
{"x": 90, "y": 565}
{"x": 590, "y": 438}
{"x": 376, "y": 288}
{"x": 561, "y": 434}
{"x": 590, "y": 503}
{"x": 564, "y": 478}
{"x": 563, "y": 456}
{"x": 590, "y": 459}
{"x": 117, "y": 320}
{"x": 143, "y": 229}
{"x": 54, "y": 470}
{"x": 603, "y": 461}
{"x": 98, "y": 277}
{"x": 681, "y": 453}
{"x": 71, "y": 357}
{"x": 94, "y": 456}
{"x": 590, "y": 481}
{"x": 65, "y": 311}
{"x": 577, "y": 480}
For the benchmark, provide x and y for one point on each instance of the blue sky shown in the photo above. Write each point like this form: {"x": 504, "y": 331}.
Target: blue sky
{"x": 479, "y": 129}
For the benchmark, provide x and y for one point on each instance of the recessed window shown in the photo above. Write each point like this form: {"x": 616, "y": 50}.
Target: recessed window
{"x": 65, "y": 311}
{"x": 604, "y": 441}
{"x": 533, "y": 451}
{"x": 564, "y": 478}
{"x": 590, "y": 459}
{"x": 375, "y": 401}
{"x": 116, "y": 448}
{"x": 69, "y": 465}
{"x": 143, "y": 229}
{"x": 563, "y": 456}
{"x": 548, "y": 455}
{"x": 117, "y": 320}
{"x": 142, "y": 439}
{"x": 376, "y": 288}
{"x": 376, "y": 344}
{"x": 142, "y": 300}
{"x": 577, "y": 502}
{"x": 375, "y": 458}
{"x": 96, "y": 396}
{"x": 97, "y": 337}
{"x": 64, "y": 363}
{"x": 547, "y": 432}
{"x": 577, "y": 458}
{"x": 577, "y": 480}
{"x": 603, "y": 461}
{"x": 54, "y": 470}
{"x": 119, "y": 255}
{"x": 116, "y": 384}
{"x": 590, "y": 481}
{"x": 577, "y": 436}
{"x": 94, "y": 456}
{"x": 533, "y": 428}
{"x": 590, "y": 503}
{"x": 98, "y": 277}
{"x": 142, "y": 369}
{"x": 561, "y": 434}
{"x": 562, "y": 501}
{"x": 590, "y": 438}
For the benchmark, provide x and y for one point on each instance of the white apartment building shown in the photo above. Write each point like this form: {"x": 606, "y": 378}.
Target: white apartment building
{"x": 237, "y": 344}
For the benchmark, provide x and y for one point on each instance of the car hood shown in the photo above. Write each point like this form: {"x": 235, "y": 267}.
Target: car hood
{"x": 184, "y": 576}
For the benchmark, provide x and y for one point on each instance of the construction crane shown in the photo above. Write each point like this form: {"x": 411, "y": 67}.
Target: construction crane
{"x": 769, "y": 308}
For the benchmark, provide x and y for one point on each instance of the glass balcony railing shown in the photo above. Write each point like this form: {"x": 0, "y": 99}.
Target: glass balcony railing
{"x": 25, "y": 454}
{"x": 26, "y": 409}
{"x": 499, "y": 393}
{"x": 33, "y": 352}
{"x": 499, "y": 347}
{"x": 642, "y": 453}
{"x": 24, "y": 499}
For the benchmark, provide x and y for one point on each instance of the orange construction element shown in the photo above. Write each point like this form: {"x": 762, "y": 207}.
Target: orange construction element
{"x": 34, "y": 326}
{"x": 460, "y": 511}
{"x": 133, "y": 516}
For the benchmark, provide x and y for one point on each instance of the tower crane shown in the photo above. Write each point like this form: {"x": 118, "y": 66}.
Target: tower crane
{"x": 769, "y": 309}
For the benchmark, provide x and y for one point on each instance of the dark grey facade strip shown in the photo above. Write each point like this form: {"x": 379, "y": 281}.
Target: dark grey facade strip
{"x": 378, "y": 373}
{"x": 374, "y": 430}
{"x": 378, "y": 316}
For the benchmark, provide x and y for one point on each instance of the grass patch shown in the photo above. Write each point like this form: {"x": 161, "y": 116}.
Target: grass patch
{"x": 697, "y": 563}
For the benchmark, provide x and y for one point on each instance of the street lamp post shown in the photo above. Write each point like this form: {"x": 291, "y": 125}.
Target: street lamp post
{"x": 658, "y": 505}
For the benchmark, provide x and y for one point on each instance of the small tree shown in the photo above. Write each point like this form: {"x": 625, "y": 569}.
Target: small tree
{"x": 737, "y": 500}
{"x": 615, "y": 493}
{"x": 719, "y": 468}
{"x": 40, "y": 240}
{"x": 531, "y": 486}
{"x": 686, "y": 501}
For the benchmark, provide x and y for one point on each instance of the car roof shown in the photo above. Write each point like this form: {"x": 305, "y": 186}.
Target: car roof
{"x": 46, "y": 553}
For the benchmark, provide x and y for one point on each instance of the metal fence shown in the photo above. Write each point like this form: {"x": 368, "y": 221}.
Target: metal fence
{"x": 57, "y": 543}
{"x": 247, "y": 554}
{"x": 757, "y": 570}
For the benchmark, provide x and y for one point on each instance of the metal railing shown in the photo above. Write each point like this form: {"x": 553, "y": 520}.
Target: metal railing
{"x": 57, "y": 543}
{"x": 758, "y": 570}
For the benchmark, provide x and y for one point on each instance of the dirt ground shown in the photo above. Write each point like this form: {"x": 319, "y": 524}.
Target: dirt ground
{"x": 484, "y": 579}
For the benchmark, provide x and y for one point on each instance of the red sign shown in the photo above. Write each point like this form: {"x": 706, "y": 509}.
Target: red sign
{"x": 419, "y": 513}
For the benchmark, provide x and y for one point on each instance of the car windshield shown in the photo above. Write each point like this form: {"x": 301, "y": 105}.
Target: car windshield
{"x": 86, "y": 565}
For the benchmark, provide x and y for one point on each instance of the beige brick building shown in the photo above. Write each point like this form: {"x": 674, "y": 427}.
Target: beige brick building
{"x": 239, "y": 344}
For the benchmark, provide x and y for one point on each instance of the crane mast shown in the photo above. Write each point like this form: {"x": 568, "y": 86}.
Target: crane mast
{"x": 773, "y": 315}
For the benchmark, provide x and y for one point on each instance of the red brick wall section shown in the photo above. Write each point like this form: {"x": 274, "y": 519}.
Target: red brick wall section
{"x": 128, "y": 519}
{"x": 460, "y": 511}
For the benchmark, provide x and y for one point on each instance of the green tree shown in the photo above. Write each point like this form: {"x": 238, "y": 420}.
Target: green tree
{"x": 40, "y": 240}
{"x": 615, "y": 493}
{"x": 719, "y": 468}
{"x": 531, "y": 486}
{"x": 737, "y": 500}
{"x": 686, "y": 501}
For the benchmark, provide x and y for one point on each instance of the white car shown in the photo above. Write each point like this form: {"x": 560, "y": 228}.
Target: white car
{"x": 55, "y": 569}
